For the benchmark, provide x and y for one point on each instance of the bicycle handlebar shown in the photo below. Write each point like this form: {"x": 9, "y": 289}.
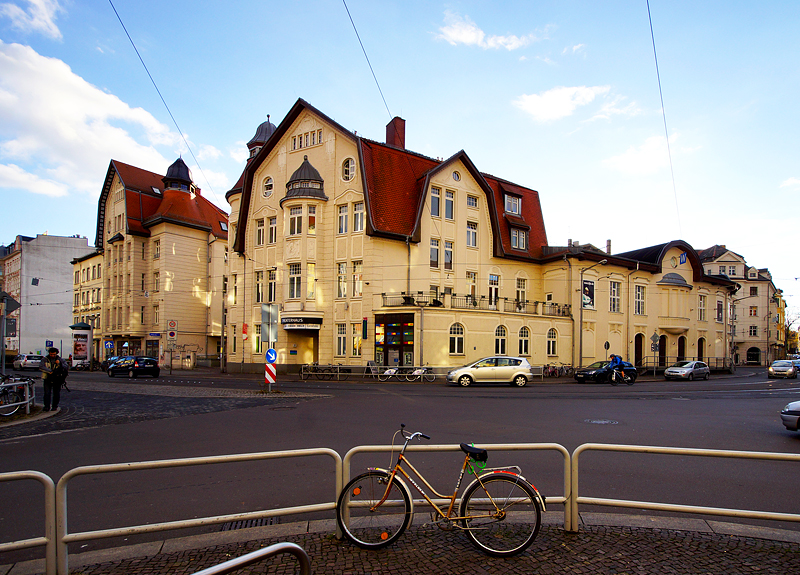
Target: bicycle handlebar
{"x": 410, "y": 436}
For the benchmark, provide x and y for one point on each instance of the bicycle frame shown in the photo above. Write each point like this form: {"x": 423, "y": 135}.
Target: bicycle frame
{"x": 467, "y": 465}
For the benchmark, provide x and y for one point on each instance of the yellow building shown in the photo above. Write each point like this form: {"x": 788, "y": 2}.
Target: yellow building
{"x": 163, "y": 248}
{"x": 372, "y": 252}
{"x": 87, "y": 296}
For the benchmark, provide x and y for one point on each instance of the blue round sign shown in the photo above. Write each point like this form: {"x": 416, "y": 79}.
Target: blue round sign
{"x": 272, "y": 355}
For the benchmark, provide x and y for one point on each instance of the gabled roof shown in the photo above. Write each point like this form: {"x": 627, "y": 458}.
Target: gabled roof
{"x": 396, "y": 182}
{"x": 655, "y": 255}
{"x": 146, "y": 204}
{"x": 716, "y": 252}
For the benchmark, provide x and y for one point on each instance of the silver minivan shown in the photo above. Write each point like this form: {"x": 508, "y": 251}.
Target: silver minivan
{"x": 495, "y": 369}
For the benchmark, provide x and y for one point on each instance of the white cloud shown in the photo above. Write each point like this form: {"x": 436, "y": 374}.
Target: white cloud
{"x": 40, "y": 17}
{"x": 791, "y": 182}
{"x": 12, "y": 176}
{"x": 462, "y": 30}
{"x": 649, "y": 158}
{"x": 615, "y": 108}
{"x": 559, "y": 102}
{"x": 63, "y": 131}
{"x": 208, "y": 152}
{"x": 574, "y": 49}
{"x": 240, "y": 153}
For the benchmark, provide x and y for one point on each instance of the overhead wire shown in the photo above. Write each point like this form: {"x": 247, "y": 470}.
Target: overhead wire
{"x": 664, "y": 115}
{"x": 174, "y": 121}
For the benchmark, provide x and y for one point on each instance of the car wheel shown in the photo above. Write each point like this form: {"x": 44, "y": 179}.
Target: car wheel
{"x": 156, "y": 374}
{"x": 464, "y": 381}
{"x": 520, "y": 381}
{"x": 691, "y": 377}
{"x": 707, "y": 377}
{"x": 131, "y": 373}
{"x": 110, "y": 373}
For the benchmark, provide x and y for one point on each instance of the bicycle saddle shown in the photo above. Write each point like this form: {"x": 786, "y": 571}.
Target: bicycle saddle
{"x": 475, "y": 453}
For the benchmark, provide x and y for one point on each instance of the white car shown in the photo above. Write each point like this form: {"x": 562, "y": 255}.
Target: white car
{"x": 496, "y": 369}
{"x": 790, "y": 415}
{"x": 782, "y": 368}
{"x": 688, "y": 370}
{"x": 27, "y": 361}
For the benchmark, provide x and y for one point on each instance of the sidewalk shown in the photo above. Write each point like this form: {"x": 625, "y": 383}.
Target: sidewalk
{"x": 606, "y": 544}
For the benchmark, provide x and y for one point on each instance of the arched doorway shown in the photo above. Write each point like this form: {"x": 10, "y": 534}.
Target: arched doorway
{"x": 662, "y": 351}
{"x": 754, "y": 356}
{"x": 638, "y": 349}
{"x": 681, "y": 348}
{"x": 701, "y": 349}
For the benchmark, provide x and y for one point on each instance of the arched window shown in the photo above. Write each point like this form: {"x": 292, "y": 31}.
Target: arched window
{"x": 456, "y": 339}
{"x": 348, "y": 169}
{"x": 268, "y": 185}
{"x": 552, "y": 338}
{"x": 500, "y": 340}
{"x": 524, "y": 341}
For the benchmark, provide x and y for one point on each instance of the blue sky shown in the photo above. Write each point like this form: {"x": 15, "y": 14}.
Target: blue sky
{"x": 559, "y": 96}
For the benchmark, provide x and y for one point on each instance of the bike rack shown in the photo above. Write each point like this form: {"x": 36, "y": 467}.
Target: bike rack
{"x": 255, "y": 556}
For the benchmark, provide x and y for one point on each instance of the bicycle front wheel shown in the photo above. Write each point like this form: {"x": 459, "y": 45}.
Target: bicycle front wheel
{"x": 430, "y": 376}
{"x": 7, "y": 401}
{"x": 501, "y": 515}
{"x": 363, "y": 523}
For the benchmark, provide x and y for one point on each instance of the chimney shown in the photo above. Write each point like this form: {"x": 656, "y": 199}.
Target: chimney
{"x": 608, "y": 247}
{"x": 396, "y": 132}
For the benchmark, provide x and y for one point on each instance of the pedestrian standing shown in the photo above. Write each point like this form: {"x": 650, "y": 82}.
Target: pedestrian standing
{"x": 54, "y": 372}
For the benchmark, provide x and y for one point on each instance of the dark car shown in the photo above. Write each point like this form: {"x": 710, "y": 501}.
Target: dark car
{"x": 134, "y": 366}
{"x": 601, "y": 373}
{"x": 108, "y": 362}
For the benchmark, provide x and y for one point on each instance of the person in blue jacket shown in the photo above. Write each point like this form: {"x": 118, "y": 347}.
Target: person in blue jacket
{"x": 616, "y": 365}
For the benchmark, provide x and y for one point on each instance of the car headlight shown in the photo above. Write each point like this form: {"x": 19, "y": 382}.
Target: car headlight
{"x": 771, "y": 370}
{"x": 785, "y": 409}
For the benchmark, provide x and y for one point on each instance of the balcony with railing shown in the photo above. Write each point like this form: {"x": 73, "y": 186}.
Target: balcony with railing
{"x": 469, "y": 302}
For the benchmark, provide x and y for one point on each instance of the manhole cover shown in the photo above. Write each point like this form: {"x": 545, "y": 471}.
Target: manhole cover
{"x": 601, "y": 421}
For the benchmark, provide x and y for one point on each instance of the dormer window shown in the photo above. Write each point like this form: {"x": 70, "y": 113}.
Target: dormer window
{"x": 513, "y": 204}
{"x": 519, "y": 239}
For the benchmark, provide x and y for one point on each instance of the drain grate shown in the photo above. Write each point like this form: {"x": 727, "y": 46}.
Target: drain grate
{"x": 282, "y": 407}
{"x": 234, "y": 525}
{"x": 601, "y": 421}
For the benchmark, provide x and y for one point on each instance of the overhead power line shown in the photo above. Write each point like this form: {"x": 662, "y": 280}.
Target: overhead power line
{"x": 188, "y": 147}
{"x": 664, "y": 115}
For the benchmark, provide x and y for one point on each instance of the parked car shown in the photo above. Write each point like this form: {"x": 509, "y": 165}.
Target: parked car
{"x": 601, "y": 373}
{"x": 687, "y": 370}
{"x": 26, "y": 361}
{"x": 790, "y": 415}
{"x": 495, "y": 369}
{"x": 108, "y": 362}
{"x": 782, "y": 368}
{"x": 134, "y": 366}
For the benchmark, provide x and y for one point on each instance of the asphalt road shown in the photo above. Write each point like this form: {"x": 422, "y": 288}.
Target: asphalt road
{"x": 118, "y": 420}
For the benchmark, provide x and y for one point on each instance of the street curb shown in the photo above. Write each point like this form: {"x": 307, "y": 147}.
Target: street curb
{"x": 193, "y": 542}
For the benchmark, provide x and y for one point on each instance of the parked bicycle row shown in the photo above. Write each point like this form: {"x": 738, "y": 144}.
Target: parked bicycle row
{"x": 381, "y": 373}
{"x": 15, "y": 392}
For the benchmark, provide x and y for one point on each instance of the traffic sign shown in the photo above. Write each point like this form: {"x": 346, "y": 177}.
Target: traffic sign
{"x": 654, "y": 338}
{"x": 653, "y": 347}
{"x": 172, "y": 324}
{"x": 272, "y": 355}
{"x": 172, "y": 335}
{"x": 11, "y": 303}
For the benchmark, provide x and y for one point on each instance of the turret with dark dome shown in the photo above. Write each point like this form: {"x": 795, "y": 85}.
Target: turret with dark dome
{"x": 305, "y": 183}
{"x": 179, "y": 176}
{"x": 263, "y": 132}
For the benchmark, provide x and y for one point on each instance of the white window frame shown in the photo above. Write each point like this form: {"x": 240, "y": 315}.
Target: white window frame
{"x": 436, "y": 199}
{"x": 456, "y": 339}
{"x": 513, "y": 204}
{"x": 260, "y": 232}
{"x": 524, "y": 341}
{"x": 639, "y": 300}
{"x": 552, "y": 342}
{"x": 272, "y": 232}
{"x": 295, "y": 220}
{"x": 472, "y": 234}
{"x": 295, "y": 280}
{"x": 348, "y": 169}
{"x": 341, "y": 339}
{"x": 343, "y": 219}
{"x": 358, "y": 217}
{"x": 449, "y": 205}
{"x": 341, "y": 280}
{"x": 500, "y": 340}
{"x": 434, "y": 259}
{"x": 614, "y": 296}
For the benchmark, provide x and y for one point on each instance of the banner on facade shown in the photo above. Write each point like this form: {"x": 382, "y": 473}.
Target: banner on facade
{"x": 588, "y": 294}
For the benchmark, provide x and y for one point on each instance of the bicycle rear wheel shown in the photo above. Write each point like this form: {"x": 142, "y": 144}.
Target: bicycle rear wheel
{"x": 501, "y": 514}
{"x": 7, "y": 400}
{"x": 429, "y": 375}
{"x": 364, "y": 524}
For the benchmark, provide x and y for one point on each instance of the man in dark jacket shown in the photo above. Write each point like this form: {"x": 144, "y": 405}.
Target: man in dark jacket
{"x": 54, "y": 371}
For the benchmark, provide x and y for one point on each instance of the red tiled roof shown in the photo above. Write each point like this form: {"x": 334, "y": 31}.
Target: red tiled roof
{"x": 393, "y": 182}
{"x": 193, "y": 210}
{"x": 531, "y": 215}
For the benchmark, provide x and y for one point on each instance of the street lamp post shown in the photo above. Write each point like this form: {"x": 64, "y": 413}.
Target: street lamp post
{"x": 580, "y": 346}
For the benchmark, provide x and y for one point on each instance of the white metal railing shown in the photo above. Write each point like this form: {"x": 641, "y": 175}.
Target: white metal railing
{"x": 57, "y": 536}
{"x": 29, "y": 395}
{"x": 64, "y": 537}
{"x": 763, "y": 455}
{"x": 49, "y": 538}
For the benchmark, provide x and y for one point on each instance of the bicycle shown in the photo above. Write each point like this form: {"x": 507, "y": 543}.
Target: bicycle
{"x": 12, "y": 396}
{"x": 500, "y": 511}
{"x": 618, "y": 376}
{"x": 421, "y": 373}
{"x": 399, "y": 373}
{"x": 315, "y": 369}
